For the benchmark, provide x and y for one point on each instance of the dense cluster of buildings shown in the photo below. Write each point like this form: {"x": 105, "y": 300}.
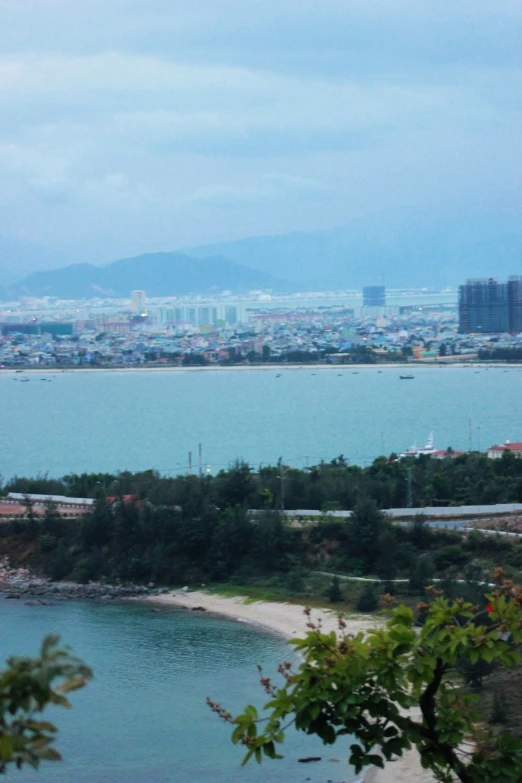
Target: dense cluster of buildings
{"x": 221, "y": 330}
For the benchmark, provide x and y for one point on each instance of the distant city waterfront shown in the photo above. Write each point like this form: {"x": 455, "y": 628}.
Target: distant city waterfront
{"x": 110, "y": 421}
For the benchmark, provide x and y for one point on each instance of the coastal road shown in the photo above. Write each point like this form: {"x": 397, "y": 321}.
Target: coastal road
{"x": 443, "y": 513}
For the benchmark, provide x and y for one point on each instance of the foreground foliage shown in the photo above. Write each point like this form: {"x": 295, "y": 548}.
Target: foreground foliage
{"x": 27, "y": 687}
{"x": 395, "y": 687}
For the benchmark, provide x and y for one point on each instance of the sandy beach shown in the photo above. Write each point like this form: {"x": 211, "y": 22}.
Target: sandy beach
{"x": 289, "y": 621}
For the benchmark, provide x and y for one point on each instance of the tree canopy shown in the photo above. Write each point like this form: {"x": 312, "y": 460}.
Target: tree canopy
{"x": 396, "y": 687}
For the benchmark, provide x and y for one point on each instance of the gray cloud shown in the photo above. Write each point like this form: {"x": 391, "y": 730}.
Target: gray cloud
{"x": 176, "y": 114}
{"x": 272, "y": 189}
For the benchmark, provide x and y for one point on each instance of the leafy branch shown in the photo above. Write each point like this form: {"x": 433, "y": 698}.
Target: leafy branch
{"x": 27, "y": 687}
{"x": 390, "y": 689}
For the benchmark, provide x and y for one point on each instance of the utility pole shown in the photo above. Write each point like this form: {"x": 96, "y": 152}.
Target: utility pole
{"x": 470, "y": 436}
{"x": 190, "y": 464}
{"x": 200, "y": 457}
{"x": 282, "y": 480}
{"x": 409, "y": 500}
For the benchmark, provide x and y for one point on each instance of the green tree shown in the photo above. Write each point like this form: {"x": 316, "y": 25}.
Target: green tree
{"x": 367, "y": 600}
{"x": 420, "y": 532}
{"x": 367, "y": 524}
{"x": 421, "y": 572}
{"x": 334, "y": 592}
{"x": 236, "y": 486}
{"x": 32, "y": 525}
{"x": 271, "y": 542}
{"x": 294, "y": 581}
{"x": 372, "y": 686}
{"x": 28, "y": 686}
{"x": 386, "y": 565}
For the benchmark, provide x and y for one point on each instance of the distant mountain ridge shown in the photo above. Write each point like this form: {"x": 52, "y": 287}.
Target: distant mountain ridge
{"x": 19, "y": 258}
{"x": 158, "y": 274}
{"x": 410, "y": 248}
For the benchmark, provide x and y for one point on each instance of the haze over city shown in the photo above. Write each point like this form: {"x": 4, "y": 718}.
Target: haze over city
{"x": 128, "y": 130}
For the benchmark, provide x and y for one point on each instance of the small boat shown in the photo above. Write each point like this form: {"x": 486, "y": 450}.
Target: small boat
{"x": 406, "y": 377}
{"x": 278, "y": 375}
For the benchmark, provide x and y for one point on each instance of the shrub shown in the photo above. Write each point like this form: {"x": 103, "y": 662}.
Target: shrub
{"x": 452, "y": 555}
{"x": 334, "y": 592}
{"x": 367, "y": 600}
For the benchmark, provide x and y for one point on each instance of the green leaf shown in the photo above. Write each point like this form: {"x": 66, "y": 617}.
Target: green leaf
{"x": 6, "y": 747}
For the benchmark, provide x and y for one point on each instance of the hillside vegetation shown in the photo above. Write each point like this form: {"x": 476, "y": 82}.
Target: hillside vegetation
{"x": 228, "y": 527}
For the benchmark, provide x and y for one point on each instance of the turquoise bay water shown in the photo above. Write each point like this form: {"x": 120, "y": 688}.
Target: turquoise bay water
{"x": 144, "y": 718}
{"x": 110, "y": 421}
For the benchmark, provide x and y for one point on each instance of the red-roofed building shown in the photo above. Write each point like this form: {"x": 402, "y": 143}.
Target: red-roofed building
{"x": 126, "y": 500}
{"x": 11, "y": 511}
{"x": 495, "y": 452}
{"x": 443, "y": 453}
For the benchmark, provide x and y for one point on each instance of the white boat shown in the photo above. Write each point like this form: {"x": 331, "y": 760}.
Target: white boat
{"x": 416, "y": 451}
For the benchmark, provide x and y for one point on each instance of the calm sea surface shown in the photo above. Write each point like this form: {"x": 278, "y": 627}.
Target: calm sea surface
{"x": 144, "y": 717}
{"x": 109, "y": 421}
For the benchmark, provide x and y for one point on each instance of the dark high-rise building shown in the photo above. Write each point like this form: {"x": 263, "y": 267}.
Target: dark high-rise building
{"x": 374, "y": 296}
{"x": 490, "y": 307}
{"x": 515, "y": 304}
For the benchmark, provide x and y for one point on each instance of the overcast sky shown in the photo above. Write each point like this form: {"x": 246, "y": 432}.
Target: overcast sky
{"x": 129, "y": 126}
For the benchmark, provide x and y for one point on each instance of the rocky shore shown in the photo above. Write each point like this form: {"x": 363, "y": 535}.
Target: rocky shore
{"x": 20, "y": 584}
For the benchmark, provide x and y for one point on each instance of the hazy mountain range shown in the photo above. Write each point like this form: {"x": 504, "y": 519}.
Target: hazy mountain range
{"x": 159, "y": 274}
{"x": 21, "y": 257}
{"x": 409, "y": 248}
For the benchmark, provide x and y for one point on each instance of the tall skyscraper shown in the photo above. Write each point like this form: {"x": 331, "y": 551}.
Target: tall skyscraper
{"x": 374, "y": 296}
{"x": 515, "y": 304}
{"x": 138, "y": 303}
{"x": 489, "y": 307}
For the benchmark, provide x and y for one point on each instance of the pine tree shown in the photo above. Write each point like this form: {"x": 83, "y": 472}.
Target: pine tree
{"x": 367, "y": 600}
{"x": 334, "y": 593}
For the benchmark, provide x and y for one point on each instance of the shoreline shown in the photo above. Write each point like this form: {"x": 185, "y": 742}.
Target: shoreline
{"x": 354, "y": 368}
{"x": 289, "y": 621}
{"x": 284, "y": 619}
